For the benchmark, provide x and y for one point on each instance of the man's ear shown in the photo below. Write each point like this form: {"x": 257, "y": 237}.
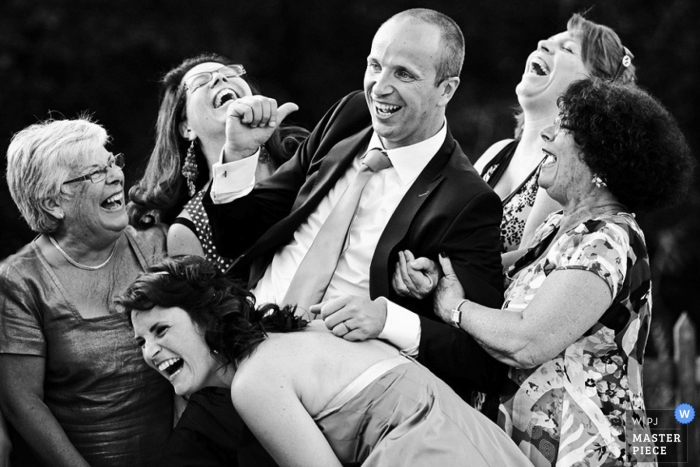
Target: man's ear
{"x": 52, "y": 207}
{"x": 448, "y": 88}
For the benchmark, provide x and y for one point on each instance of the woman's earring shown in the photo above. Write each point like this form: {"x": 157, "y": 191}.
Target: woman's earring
{"x": 597, "y": 181}
{"x": 190, "y": 170}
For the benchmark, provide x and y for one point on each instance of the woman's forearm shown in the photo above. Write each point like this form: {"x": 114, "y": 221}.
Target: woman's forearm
{"x": 497, "y": 331}
{"x": 22, "y": 404}
{"x": 566, "y": 305}
{"x": 41, "y": 431}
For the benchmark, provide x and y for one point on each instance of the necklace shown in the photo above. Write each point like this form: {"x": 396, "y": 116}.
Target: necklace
{"x": 77, "y": 264}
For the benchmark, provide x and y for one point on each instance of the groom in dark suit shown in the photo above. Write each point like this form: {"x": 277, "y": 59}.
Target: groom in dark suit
{"x": 430, "y": 201}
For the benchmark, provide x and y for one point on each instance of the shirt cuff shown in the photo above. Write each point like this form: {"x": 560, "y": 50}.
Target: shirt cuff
{"x": 401, "y": 329}
{"x": 233, "y": 180}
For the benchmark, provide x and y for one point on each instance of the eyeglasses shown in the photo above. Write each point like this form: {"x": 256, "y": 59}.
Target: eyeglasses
{"x": 195, "y": 82}
{"x": 99, "y": 174}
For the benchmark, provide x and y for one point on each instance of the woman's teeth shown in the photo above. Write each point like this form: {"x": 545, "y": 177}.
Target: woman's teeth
{"x": 539, "y": 68}
{"x": 549, "y": 158}
{"x": 114, "y": 202}
{"x": 224, "y": 96}
{"x": 172, "y": 366}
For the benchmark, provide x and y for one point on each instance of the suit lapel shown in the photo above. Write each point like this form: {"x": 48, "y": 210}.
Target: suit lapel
{"x": 399, "y": 223}
{"x": 317, "y": 185}
{"x": 331, "y": 168}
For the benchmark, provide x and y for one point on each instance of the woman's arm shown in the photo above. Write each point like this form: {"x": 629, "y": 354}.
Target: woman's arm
{"x": 182, "y": 241}
{"x": 567, "y": 304}
{"x": 265, "y": 398}
{"x": 22, "y": 403}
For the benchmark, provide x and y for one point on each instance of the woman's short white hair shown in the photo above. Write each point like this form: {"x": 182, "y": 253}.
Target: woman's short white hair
{"x": 41, "y": 157}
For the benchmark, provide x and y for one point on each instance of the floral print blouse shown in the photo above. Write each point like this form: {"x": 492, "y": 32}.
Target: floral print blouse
{"x": 584, "y": 406}
{"x": 517, "y": 206}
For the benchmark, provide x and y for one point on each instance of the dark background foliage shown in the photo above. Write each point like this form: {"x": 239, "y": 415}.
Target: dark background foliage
{"x": 63, "y": 57}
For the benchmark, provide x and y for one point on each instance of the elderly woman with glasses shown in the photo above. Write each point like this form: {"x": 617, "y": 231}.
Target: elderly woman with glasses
{"x": 71, "y": 383}
{"x": 191, "y": 134}
{"x": 577, "y": 308}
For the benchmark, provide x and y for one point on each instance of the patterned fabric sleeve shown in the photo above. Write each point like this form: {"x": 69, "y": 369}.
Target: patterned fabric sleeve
{"x": 596, "y": 246}
{"x": 20, "y": 321}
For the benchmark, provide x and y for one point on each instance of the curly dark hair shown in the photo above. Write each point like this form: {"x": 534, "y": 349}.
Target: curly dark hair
{"x": 222, "y": 308}
{"x": 161, "y": 193}
{"x": 629, "y": 139}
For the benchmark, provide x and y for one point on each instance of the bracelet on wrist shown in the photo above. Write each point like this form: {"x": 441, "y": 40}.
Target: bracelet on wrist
{"x": 456, "y": 316}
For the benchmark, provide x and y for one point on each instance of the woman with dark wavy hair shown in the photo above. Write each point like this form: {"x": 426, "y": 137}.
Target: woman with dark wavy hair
{"x": 190, "y": 139}
{"x": 577, "y": 309}
{"x": 311, "y": 398}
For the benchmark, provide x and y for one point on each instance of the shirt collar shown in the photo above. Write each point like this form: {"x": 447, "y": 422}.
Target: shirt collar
{"x": 409, "y": 161}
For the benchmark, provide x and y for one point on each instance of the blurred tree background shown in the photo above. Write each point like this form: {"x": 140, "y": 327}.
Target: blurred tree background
{"x": 63, "y": 57}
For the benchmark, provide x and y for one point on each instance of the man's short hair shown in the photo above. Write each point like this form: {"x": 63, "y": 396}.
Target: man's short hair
{"x": 451, "y": 59}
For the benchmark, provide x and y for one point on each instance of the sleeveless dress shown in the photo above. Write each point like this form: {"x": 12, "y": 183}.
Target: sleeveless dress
{"x": 114, "y": 408}
{"x": 398, "y": 413}
{"x": 585, "y": 406}
{"x": 200, "y": 226}
{"x": 517, "y": 206}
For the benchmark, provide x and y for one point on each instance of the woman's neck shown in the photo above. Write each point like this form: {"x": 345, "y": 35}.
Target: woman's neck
{"x": 212, "y": 151}
{"x": 224, "y": 376}
{"x": 591, "y": 207}
{"x": 86, "y": 253}
{"x": 531, "y": 137}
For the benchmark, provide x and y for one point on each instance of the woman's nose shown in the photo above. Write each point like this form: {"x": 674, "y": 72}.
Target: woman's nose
{"x": 150, "y": 350}
{"x": 217, "y": 76}
{"x": 547, "y": 133}
{"x": 545, "y": 46}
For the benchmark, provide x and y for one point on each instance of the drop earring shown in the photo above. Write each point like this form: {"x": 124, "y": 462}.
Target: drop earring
{"x": 190, "y": 170}
{"x": 598, "y": 182}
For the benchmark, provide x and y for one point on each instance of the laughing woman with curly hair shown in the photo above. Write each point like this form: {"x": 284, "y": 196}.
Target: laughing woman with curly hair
{"x": 577, "y": 308}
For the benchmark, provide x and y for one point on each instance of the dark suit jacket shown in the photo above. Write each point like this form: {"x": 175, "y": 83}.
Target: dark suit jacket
{"x": 449, "y": 208}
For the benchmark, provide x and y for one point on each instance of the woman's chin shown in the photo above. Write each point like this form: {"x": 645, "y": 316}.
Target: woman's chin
{"x": 181, "y": 391}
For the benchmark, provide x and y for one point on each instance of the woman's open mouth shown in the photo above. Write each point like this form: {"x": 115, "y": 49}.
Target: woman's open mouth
{"x": 114, "y": 202}
{"x": 171, "y": 367}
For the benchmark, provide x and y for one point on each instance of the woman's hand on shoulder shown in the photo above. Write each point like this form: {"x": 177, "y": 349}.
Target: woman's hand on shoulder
{"x": 415, "y": 278}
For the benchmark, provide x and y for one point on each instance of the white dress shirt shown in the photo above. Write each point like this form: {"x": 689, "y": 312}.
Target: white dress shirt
{"x": 379, "y": 200}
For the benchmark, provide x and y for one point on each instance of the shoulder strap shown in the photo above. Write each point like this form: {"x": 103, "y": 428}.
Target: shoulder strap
{"x": 535, "y": 172}
{"x": 502, "y": 159}
{"x": 187, "y": 223}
